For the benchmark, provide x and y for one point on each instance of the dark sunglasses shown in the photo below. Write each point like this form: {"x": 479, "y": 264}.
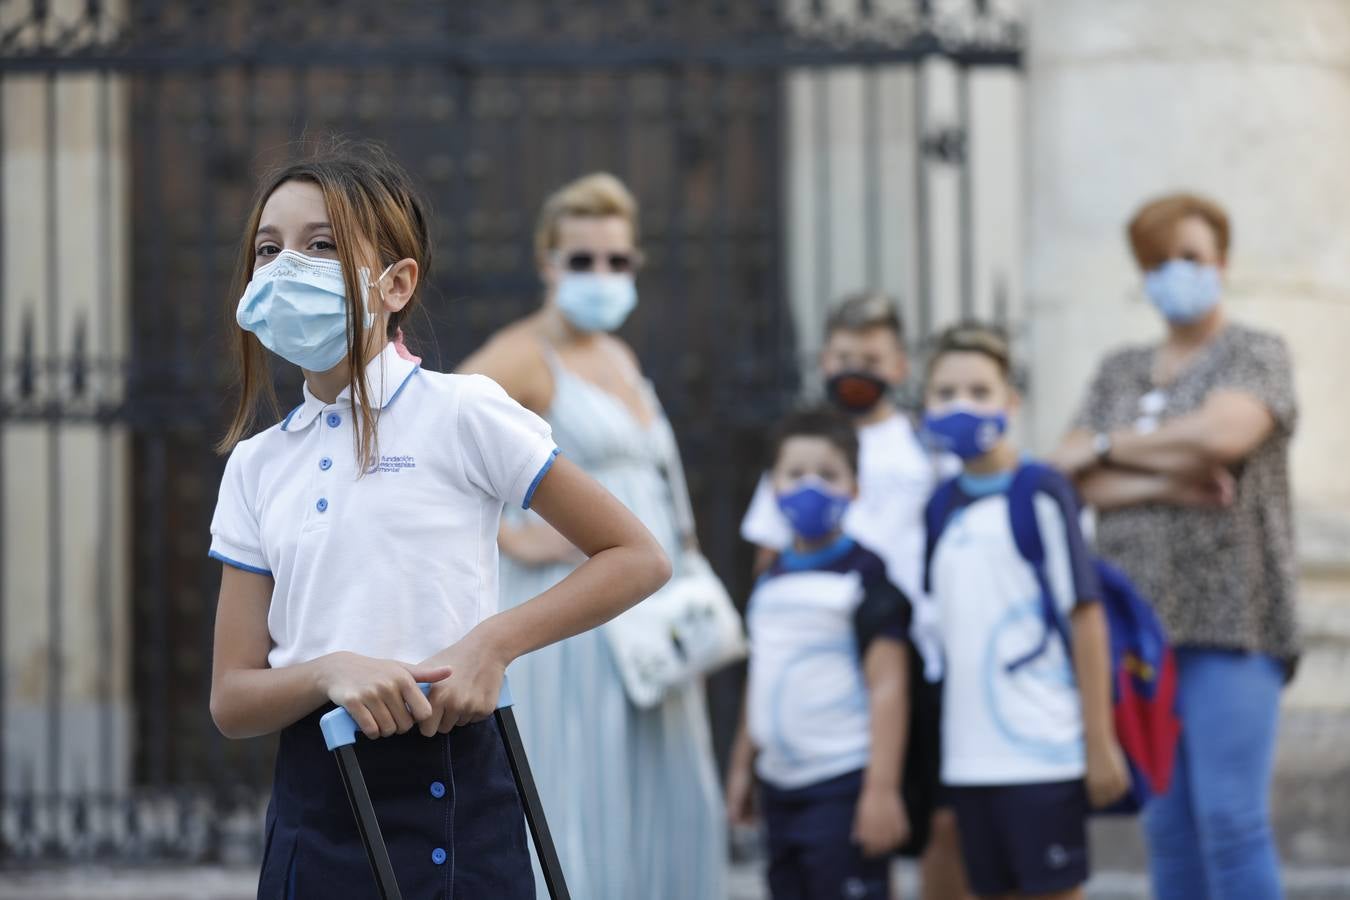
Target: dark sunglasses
{"x": 584, "y": 261}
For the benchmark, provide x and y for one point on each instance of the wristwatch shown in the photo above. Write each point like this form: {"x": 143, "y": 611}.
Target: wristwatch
{"x": 1101, "y": 446}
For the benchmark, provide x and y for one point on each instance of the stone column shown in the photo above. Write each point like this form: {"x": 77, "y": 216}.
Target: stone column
{"x": 1247, "y": 101}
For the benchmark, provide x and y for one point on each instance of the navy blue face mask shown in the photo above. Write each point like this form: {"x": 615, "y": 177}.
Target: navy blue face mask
{"x": 812, "y": 510}
{"x": 966, "y": 434}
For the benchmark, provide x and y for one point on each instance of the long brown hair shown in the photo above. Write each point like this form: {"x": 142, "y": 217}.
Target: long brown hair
{"x": 372, "y": 205}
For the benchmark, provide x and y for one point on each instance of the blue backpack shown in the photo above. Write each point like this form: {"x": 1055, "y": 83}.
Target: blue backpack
{"x": 1143, "y": 668}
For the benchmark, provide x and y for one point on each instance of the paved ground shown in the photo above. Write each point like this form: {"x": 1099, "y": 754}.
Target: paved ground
{"x": 238, "y": 884}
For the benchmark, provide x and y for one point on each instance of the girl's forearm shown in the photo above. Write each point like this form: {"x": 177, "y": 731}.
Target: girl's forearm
{"x": 1091, "y": 661}
{"x": 595, "y": 592}
{"x": 251, "y": 702}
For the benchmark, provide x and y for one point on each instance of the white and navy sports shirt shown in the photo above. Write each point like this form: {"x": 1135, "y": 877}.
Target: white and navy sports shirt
{"x": 400, "y": 562}
{"x": 810, "y": 619}
{"x": 896, "y": 475}
{"x": 1001, "y": 726}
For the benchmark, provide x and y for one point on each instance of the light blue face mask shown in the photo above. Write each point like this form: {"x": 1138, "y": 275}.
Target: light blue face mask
{"x": 297, "y": 306}
{"x": 1183, "y": 291}
{"x": 595, "y": 302}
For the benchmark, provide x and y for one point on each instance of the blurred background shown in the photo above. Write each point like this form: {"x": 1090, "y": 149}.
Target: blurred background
{"x": 971, "y": 158}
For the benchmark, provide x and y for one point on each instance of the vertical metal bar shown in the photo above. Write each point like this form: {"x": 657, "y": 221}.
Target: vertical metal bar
{"x": 966, "y": 188}
{"x": 205, "y": 324}
{"x": 923, "y": 285}
{"x": 4, "y": 406}
{"x": 677, "y": 286}
{"x": 728, "y": 341}
{"x": 625, "y": 141}
{"x": 467, "y": 263}
{"x": 157, "y": 312}
{"x": 534, "y": 807}
{"x": 783, "y": 356}
{"x": 824, "y": 233}
{"x": 55, "y": 620}
{"x": 104, "y": 399}
{"x": 366, "y": 824}
{"x": 872, "y": 168}
{"x": 155, "y": 476}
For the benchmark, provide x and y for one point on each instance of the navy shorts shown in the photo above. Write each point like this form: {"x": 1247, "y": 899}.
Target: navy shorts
{"x": 811, "y": 851}
{"x": 1023, "y": 838}
{"x": 447, "y": 807}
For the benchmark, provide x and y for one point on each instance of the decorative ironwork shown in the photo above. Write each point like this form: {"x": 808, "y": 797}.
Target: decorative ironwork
{"x": 490, "y": 106}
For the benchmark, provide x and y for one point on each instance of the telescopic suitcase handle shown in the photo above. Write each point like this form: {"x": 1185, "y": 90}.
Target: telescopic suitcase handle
{"x": 339, "y": 733}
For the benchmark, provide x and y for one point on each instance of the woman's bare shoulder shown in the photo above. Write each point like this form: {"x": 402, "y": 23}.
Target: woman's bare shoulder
{"x": 514, "y": 358}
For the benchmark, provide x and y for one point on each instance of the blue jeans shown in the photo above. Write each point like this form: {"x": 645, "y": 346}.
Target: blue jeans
{"x": 1209, "y": 836}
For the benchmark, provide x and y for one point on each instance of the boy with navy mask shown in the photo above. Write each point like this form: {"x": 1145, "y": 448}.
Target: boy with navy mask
{"x": 827, "y": 705}
{"x": 1028, "y": 744}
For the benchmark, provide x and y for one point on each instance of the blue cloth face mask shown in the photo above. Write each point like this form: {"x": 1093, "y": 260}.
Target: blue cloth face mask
{"x": 812, "y": 509}
{"x": 297, "y": 306}
{"x": 965, "y": 433}
{"x": 595, "y": 302}
{"x": 1183, "y": 291}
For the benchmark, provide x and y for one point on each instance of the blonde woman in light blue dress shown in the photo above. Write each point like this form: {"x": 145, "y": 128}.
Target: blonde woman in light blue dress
{"x": 631, "y": 794}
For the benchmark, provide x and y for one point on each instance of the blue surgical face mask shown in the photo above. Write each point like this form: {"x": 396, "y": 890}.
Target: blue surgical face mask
{"x": 964, "y": 432}
{"x": 1183, "y": 291}
{"x": 812, "y": 509}
{"x": 297, "y": 306}
{"x": 595, "y": 302}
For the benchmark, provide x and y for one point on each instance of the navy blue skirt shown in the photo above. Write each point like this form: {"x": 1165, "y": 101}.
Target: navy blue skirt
{"x": 447, "y": 806}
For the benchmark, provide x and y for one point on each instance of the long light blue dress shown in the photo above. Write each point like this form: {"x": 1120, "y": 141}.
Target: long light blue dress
{"x": 631, "y": 794}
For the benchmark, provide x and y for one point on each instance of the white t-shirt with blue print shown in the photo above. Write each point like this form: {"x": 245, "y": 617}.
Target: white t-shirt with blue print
{"x": 1000, "y": 726}
{"x": 810, "y": 619}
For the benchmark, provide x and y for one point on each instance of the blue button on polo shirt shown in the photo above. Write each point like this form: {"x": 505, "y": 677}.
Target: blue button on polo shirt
{"x": 325, "y": 464}
{"x": 437, "y": 790}
{"x": 322, "y": 505}
{"x": 438, "y": 856}
{"x": 334, "y": 420}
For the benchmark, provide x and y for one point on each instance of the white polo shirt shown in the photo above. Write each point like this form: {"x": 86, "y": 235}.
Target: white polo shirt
{"x": 402, "y": 561}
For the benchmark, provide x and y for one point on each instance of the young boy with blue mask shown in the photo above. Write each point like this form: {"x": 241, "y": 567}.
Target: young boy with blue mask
{"x": 827, "y": 705}
{"x": 1028, "y": 745}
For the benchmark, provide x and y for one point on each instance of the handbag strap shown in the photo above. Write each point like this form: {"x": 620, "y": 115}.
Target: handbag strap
{"x": 671, "y": 465}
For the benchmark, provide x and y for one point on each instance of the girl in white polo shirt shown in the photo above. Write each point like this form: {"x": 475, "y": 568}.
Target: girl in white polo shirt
{"x": 359, "y": 542}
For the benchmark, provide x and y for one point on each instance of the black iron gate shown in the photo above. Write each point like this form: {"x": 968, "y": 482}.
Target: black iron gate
{"x": 143, "y": 126}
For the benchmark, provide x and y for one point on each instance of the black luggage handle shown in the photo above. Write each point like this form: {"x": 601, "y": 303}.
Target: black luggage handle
{"x": 339, "y": 733}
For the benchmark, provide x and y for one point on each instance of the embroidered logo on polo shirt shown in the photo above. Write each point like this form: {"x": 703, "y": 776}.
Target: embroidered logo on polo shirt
{"x": 392, "y": 464}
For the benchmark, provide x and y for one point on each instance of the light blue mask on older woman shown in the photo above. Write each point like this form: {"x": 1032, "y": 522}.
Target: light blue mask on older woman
{"x": 1183, "y": 291}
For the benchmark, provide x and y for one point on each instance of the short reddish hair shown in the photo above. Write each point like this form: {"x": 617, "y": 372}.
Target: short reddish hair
{"x": 1150, "y": 231}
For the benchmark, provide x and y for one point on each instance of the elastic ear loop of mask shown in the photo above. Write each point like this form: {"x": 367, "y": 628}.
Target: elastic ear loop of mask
{"x": 367, "y": 284}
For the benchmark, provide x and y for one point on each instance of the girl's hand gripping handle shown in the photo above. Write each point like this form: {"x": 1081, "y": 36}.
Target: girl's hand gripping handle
{"x": 339, "y": 728}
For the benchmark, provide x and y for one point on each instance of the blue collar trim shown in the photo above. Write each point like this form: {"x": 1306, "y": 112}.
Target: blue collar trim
{"x": 793, "y": 561}
{"x": 986, "y": 485}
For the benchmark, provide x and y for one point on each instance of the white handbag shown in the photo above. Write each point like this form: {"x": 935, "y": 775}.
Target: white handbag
{"x": 685, "y": 630}
{"x": 688, "y": 628}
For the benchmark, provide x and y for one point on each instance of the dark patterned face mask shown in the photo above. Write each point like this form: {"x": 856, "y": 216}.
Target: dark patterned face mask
{"x": 856, "y": 392}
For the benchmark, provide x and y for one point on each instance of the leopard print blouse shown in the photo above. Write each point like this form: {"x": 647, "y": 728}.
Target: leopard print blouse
{"x": 1219, "y": 578}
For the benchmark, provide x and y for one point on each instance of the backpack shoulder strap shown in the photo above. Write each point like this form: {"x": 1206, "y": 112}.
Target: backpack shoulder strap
{"x": 1026, "y": 532}
{"x": 936, "y": 515}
